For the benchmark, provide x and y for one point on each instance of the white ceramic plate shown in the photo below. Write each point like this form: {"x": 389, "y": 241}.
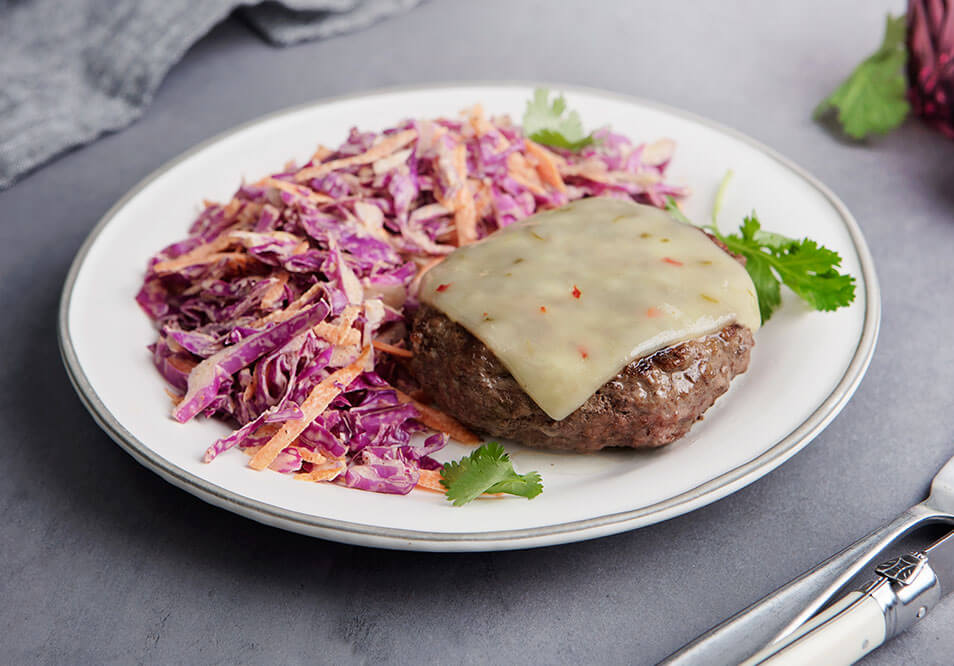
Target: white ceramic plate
{"x": 804, "y": 367}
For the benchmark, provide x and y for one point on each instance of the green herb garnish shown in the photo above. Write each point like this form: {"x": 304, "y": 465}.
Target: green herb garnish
{"x": 804, "y": 266}
{"x": 487, "y": 470}
{"x": 546, "y": 123}
{"x": 872, "y": 100}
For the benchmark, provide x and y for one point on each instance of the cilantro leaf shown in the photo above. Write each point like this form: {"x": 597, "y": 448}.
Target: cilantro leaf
{"x": 487, "y": 470}
{"x": 872, "y": 99}
{"x": 804, "y": 266}
{"x": 545, "y": 123}
{"x": 767, "y": 287}
{"x": 771, "y": 259}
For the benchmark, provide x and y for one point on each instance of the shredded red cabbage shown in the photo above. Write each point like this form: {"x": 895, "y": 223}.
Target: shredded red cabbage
{"x": 291, "y": 279}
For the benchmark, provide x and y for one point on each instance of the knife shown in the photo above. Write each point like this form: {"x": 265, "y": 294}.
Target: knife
{"x": 905, "y": 590}
{"x": 789, "y": 607}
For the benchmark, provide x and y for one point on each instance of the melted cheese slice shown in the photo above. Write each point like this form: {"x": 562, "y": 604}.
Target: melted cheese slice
{"x": 568, "y": 297}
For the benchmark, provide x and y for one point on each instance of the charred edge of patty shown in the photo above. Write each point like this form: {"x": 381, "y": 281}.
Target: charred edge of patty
{"x": 651, "y": 402}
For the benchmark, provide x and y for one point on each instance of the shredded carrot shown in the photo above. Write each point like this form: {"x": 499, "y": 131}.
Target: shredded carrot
{"x": 311, "y": 408}
{"x": 430, "y": 479}
{"x": 275, "y": 291}
{"x": 653, "y": 312}
{"x": 671, "y": 261}
{"x": 325, "y": 472}
{"x": 465, "y": 212}
{"x": 371, "y": 218}
{"x": 477, "y": 120}
{"x": 321, "y": 154}
{"x": 310, "y": 456}
{"x": 430, "y": 134}
{"x": 291, "y": 310}
{"x": 342, "y": 354}
{"x": 336, "y": 336}
{"x": 182, "y": 364}
{"x": 233, "y": 259}
{"x": 267, "y": 430}
{"x": 597, "y": 172}
{"x": 521, "y": 171}
{"x": 392, "y": 161}
{"x": 348, "y": 316}
{"x": 236, "y": 260}
{"x": 194, "y": 256}
{"x": 385, "y": 147}
{"x": 232, "y": 208}
{"x": 341, "y": 333}
{"x": 438, "y": 420}
{"x": 297, "y": 190}
{"x": 416, "y": 282}
{"x": 594, "y": 170}
{"x": 392, "y": 350}
{"x": 546, "y": 165}
{"x": 483, "y": 199}
{"x": 175, "y": 397}
{"x": 250, "y": 213}
{"x": 250, "y": 389}
{"x": 250, "y": 239}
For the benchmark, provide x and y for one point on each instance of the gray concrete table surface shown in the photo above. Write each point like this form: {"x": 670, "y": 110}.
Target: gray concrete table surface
{"x": 103, "y": 562}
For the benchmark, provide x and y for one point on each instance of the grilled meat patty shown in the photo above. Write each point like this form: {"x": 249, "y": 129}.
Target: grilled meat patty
{"x": 651, "y": 402}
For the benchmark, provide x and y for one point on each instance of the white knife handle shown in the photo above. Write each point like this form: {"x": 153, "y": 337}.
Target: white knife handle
{"x": 842, "y": 634}
{"x": 793, "y": 604}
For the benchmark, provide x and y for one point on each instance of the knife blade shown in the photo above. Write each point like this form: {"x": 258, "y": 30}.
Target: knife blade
{"x": 941, "y": 558}
{"x": 905, "y": 590}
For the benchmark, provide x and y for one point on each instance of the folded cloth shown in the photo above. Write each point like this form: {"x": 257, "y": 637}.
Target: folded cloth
{"x": 71, "y": 71}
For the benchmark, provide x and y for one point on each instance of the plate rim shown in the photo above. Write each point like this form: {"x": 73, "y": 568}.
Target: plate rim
{"x": 577, "y": 530}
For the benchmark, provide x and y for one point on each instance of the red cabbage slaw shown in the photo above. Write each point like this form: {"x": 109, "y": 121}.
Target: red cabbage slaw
{"x": 305, "y": 275}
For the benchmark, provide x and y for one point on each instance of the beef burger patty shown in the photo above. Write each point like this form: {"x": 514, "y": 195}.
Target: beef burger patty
{"x": 651, "y": 402}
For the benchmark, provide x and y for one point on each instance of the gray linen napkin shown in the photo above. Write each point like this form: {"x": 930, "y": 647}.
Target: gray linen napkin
{"x": 70, "y": 71}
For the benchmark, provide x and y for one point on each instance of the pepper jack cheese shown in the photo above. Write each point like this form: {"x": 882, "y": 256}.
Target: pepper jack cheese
{"x": 568, "y": 297}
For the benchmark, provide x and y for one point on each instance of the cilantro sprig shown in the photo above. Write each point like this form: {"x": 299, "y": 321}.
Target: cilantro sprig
{"x": 804, "y": 266}
{"x": 545, "y": 122}
{"x": 872, "y": 99}
{"x": 487, "y": 470}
